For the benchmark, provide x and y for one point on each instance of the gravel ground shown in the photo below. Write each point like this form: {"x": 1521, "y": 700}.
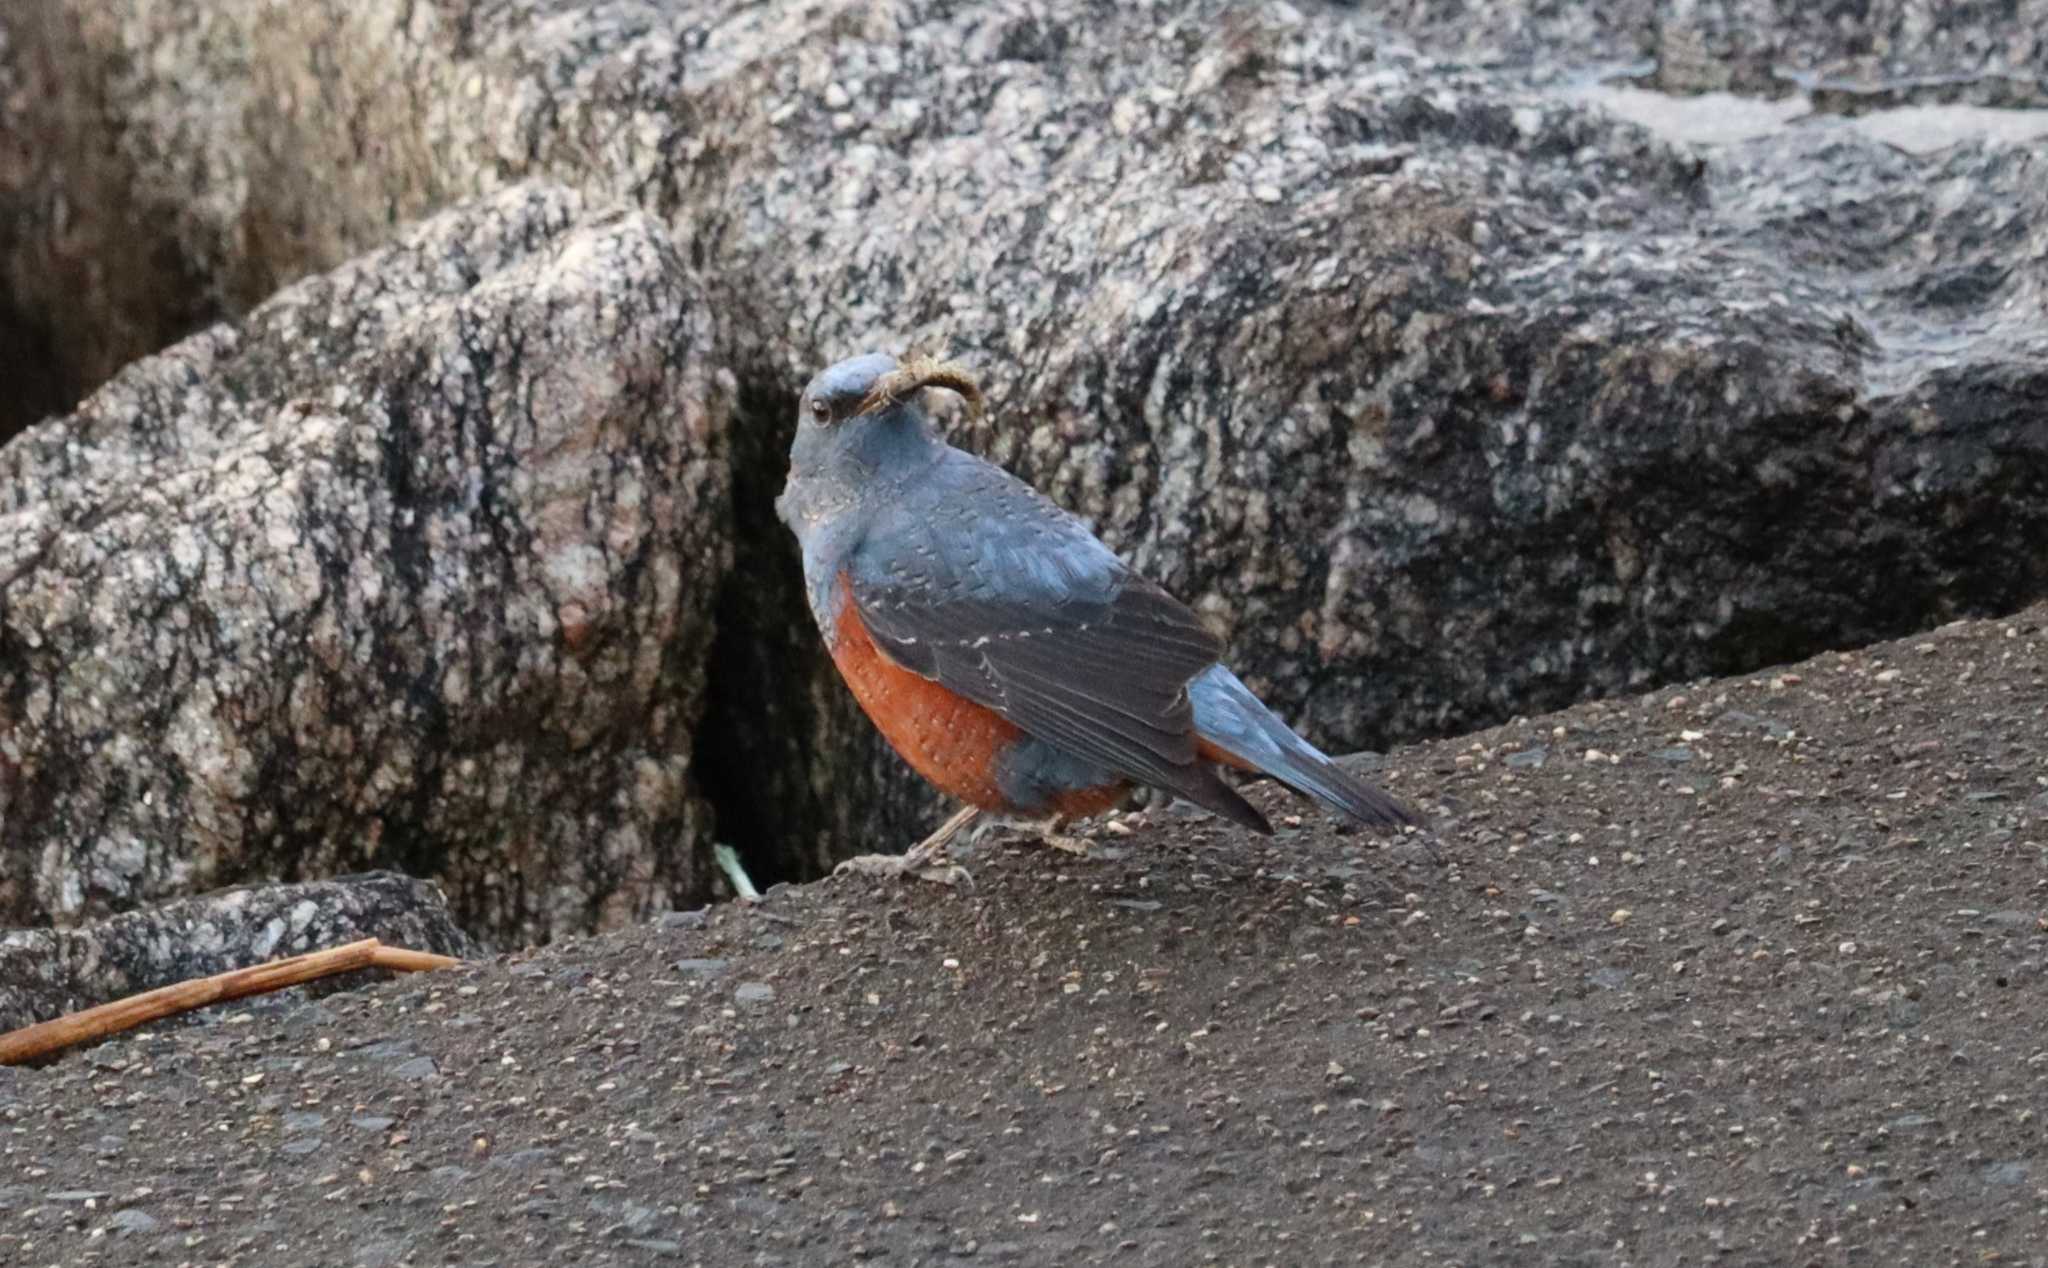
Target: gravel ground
{"x": 1748, "y": 972}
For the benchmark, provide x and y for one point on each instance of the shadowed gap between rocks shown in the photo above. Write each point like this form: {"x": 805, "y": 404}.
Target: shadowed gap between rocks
{"x": 791, "y": 768}
{"x": 74, "y": 309}
{"x": 37, "y": 384}
{"x": 749, "y": 756}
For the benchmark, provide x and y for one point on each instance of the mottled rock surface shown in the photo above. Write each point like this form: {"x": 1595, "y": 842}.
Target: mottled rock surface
{"x": 1447, "y": 386}
{"x": 410, "y": 568}
{"x": 45, "y": 973}
{"x": 1991, "y": 51}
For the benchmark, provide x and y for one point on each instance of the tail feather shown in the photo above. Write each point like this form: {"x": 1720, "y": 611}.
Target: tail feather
{"x": 1236, "y": 729}
{"x": 1216, "y": 794}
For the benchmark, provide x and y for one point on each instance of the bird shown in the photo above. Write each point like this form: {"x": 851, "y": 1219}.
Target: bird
{"x": 1007, "y": 654}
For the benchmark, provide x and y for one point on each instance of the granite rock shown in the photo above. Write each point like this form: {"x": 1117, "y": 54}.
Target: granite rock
{"x": 408, "y": 568}
{"x": 1450, "y": 377}
{"x": 46, "y": 973}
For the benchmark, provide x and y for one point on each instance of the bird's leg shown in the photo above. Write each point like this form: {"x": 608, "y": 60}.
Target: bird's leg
{"x": 932, "y": 850}
{"x": 925, "y": 860}
{"x": 1050, "y": 831}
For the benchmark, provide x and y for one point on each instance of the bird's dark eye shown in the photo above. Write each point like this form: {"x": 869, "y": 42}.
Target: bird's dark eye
{"x": 821, "y": 410}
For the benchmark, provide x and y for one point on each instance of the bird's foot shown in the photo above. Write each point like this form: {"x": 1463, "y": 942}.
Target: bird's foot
{"x": 926, "y": 861}
{"x": 1047, "y": 832}
{"x": 1076, "y": 846}
{"x": 935, "y": 868}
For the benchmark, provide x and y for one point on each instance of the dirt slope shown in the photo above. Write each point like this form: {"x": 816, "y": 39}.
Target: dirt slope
{"x": 1744, "y": 973}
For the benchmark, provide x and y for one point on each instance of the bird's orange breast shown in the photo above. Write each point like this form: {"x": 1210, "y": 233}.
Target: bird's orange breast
{"x": 947, "y": 738}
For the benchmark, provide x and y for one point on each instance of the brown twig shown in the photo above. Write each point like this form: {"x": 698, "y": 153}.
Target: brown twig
{"x": 45, "y": 1038}
{"x": 922, "y": 372}
{"x": 400, "y": 960}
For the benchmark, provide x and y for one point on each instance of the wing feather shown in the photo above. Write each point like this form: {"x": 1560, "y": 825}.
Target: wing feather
{"x": 979, "y": 583}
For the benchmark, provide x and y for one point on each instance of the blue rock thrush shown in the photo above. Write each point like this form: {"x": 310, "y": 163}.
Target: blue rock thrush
{"x": 1009, "y": 656}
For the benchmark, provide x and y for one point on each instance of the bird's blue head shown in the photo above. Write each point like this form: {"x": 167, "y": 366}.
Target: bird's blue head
{"x": 861, "y": 424}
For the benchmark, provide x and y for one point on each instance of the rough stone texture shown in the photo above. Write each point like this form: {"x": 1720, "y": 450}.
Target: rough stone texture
{"x": 410, "y": 568}
{"x": 45, "y": 973}
{"x": 1445, "y": 391}
{"x": 1989, "y": 51}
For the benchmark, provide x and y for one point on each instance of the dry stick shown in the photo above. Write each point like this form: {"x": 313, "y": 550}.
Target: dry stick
{"x": 401, "y": 960}
{"x": 44, "y": 1038}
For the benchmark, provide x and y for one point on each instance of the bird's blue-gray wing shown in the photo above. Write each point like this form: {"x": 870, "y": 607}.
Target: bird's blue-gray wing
{"x": 976, "y": 581}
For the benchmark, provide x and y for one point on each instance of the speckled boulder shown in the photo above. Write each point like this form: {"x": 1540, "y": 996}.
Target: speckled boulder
{"x": 1448, "y": 386}
{"x": 406, "y": 569}
{"x": 45, "y": 973}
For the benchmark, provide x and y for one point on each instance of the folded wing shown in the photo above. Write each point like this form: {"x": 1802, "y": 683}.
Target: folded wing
{"x": 1019, "y": 608}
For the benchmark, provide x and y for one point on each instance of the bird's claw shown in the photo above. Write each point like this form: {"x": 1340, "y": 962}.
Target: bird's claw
{"x": 937, "y": 870}
{"x": 1047, "y": 832}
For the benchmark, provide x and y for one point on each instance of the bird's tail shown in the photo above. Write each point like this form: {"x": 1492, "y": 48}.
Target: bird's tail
{"x": 1237, "y": 730}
